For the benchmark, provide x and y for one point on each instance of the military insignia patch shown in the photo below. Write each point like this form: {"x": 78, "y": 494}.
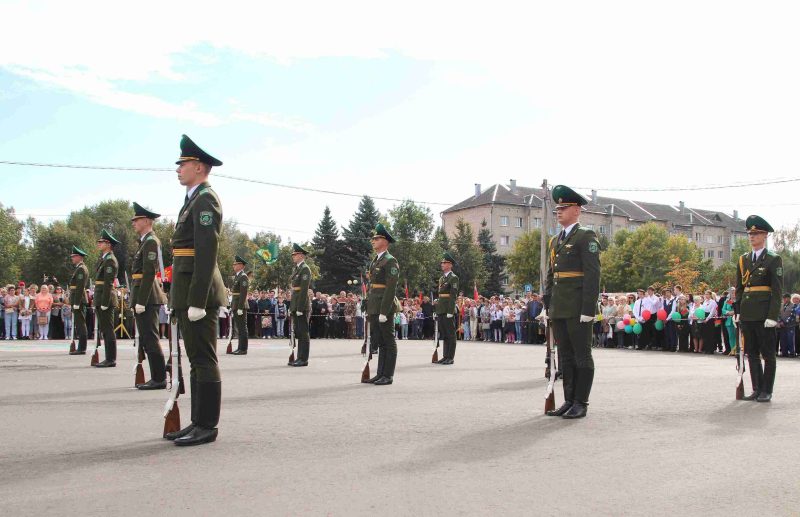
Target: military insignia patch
{"x": 206, "y": 218}
{"x": 593, "y": 247}
{"x": 80, "y": 276}
{"x": 779, "y": 271}
{"x": 151, "y": 255}
{"x": 244, "y": 283}
{"x": 393, "y": 271}
{"x": 109, "y": 269}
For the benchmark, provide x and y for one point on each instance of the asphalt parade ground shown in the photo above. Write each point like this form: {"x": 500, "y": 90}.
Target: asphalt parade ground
{"x": 664, "y": 436}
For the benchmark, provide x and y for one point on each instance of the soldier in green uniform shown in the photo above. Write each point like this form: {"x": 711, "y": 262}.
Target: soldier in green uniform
{"x": 78, "y": 299}
{"x": 147, "y": 294}
{"x": 299, "y": 304}
{"x": 759, "y": 284}
{"x": 571, "y": 292}
{"x": 239, "y": 303}
{"x": 104, "y": 299}
{"x": 446, "y": 307}
{"x": 383, "y": 275}
{"x": 198, "y": 291}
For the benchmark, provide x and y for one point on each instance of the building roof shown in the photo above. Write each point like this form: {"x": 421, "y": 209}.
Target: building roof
{"x": 637, "y": 211}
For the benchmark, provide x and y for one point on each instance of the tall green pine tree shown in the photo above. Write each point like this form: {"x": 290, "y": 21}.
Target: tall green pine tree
{"x": 330, "y": 252}
{"x": 357, "y": 235}
{"x": 493, "y": 262}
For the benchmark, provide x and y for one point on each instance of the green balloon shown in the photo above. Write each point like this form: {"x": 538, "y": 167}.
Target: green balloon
{"x": 700, "y": 314}
{"x": 659, "y": 325}
{"x": 637, "y": 329}
{"x": 628, "y": 329}
{"x": 676, "y": 316}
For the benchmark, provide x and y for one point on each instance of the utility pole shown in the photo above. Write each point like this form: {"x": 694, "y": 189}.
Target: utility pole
{"x": 544, "y": 235}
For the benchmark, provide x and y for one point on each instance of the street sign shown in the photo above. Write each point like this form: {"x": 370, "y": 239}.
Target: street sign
{"x": 528, "y": 288}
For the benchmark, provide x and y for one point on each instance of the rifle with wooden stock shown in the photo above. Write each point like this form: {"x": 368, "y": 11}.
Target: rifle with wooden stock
{"x": 96, "y": 355}
{"x": 740, "y": 368}
{"x": 291, "y": 339}
{"x": 172, "y": 415}
{"x": 138, "y": 370}
{"x": 552, "y": 369}
{"x": 366, "y": 350}
{"x": 435, "y": 358}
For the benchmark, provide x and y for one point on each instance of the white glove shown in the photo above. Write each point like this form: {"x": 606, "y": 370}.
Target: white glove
{"x": 449, "y": 315}
{"x": 770, "y": 323}
{"x": 586, "y": 319}
{"x": 299, "y": 313}
{"x": 76, "y": 307}
{"x": 139, "y": 308}
{"x": 382, "y": 318}
{"x": 103, "y": 307}
{"x": 542, "y": 315}
{"x": 196, "y": 313}
{"x": 239, "y": 312}
{"x": 222, "y": 312}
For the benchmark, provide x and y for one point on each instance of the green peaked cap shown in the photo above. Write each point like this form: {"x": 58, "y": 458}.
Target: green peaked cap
{"x": 77, "y": 251}
{"x": 756, "y": 224}
{"x": 191, "y": 151}
{"x": 106, "y": 236}
{"x": 565, "y": 196}
{"x": 380, "y": 231}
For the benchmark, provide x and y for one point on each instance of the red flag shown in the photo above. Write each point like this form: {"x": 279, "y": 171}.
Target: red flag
{"x": 475, "y": 294}
{"x": 406, "y": 288}
{"x": 420, "y": 297}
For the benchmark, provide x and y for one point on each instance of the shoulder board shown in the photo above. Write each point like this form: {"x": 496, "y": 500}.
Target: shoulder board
{"x": 771, "y": 253}
{"x": 388, "y": 256}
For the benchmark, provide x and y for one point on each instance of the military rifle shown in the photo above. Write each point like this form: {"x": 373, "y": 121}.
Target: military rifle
{"x": 291, "y": 338}
{"x": 138, "y": 370}
{"x": 740, "y": 368}
{"x": 435, "y": 358}
{"x": 367, "y": 351}
{"x": 550, "y": 397}
{"x": 96, "y": 354}
{"x": 72, "y": 345}
{"x": 172, "y": 415}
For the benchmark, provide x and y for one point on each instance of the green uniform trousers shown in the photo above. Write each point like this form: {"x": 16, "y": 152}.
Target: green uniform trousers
{"x": 105, "y": 322}
{"x": 760, "y": 342}
{"x": 79, "y": 328}
{"x": 447, "y": 328}
{"x": 574, "y": 340}
{"x": 241, "y": 329}
{"x": 300, "y": 325}
{"x": 147, "y": 329}
{"x": 382, "y": 336}
{"x": 200, "y": 343}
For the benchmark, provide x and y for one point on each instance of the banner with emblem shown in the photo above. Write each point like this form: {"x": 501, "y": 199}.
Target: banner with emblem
{"x": 269, "y": 253}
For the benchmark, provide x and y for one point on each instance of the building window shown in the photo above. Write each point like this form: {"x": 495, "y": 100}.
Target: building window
{"x": 719, "y": 254}
{"x": 537, "y": 222}
{"x": 518, "y": 222}
{"x": 698, "y": 237}
{"x": 602, "y": 229}
{"x": 503, "y": 220}
{"x": 710, "y": 239}
{"x": 590, "y": 226}
{"x": 632, "y": 227}
{"x": 504, "y": 281}
{"x": 720, "y": 239}
{"x": 710, "y": 253}
{"x": 504, "y": 240}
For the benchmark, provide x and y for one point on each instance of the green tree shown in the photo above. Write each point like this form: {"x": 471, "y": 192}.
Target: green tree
{"x": 411, "y": 225}
{"x": 12, "y": 252}
{"x": 640, "y": 260}
{"x": 524, "y": 261}
{"x": 330, "y": 250}
{"x": 358, "y": 233}
{"x": 469, "y": 259}
{"x": 493, "y": 262}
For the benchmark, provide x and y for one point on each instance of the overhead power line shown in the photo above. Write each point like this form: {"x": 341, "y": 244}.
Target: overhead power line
{"x": 221, "y": 175}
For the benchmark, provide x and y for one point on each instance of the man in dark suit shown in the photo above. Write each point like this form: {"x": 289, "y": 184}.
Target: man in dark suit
{"x": 533, "y": 309}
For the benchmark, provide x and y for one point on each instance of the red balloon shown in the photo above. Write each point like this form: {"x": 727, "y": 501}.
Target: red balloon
{"x": 662, "y": 314}
{"x": 646, "y": 314}
{"x": 626, "y": 318}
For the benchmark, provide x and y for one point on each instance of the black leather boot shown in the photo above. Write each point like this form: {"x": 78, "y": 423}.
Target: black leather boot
{"x": 578, "y": 410}
{"x": 560, "y": 411}
{"x": 205, "y": 430}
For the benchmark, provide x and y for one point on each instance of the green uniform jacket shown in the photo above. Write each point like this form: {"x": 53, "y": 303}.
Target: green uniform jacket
{"x": 383, "y": 275}
{"x": 104, "y": 277}
{"x": 301, "y": 279}
{"x": 196, "y": 280}
{"x": 759, "y": 286}
{"x": 78, "y": 284}
{"x": 573, "y": 274}
{"x": 146, "y": 289}
{"x": 448, "y": 291}
{"x": 239, "y": 292}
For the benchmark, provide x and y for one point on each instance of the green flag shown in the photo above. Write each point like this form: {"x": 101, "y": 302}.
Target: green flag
{"x": 268, "y": 254}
